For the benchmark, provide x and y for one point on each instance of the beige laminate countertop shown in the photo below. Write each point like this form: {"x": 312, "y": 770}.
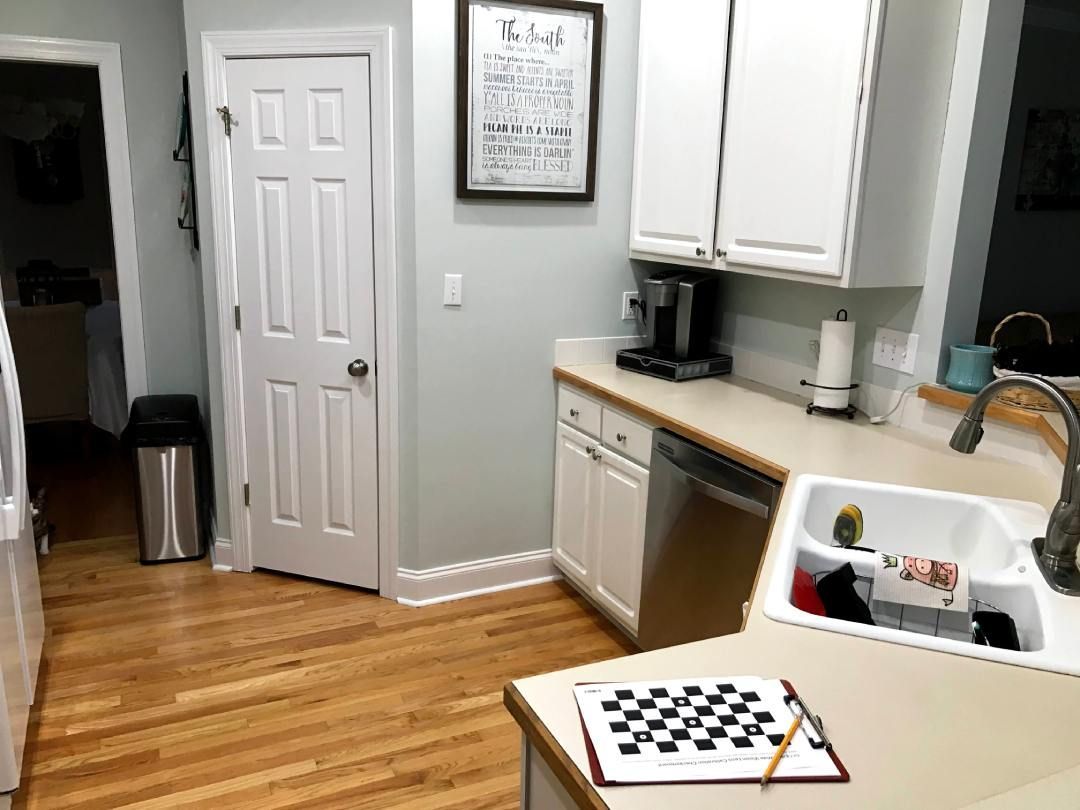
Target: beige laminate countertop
{"x": 914, "y": 727}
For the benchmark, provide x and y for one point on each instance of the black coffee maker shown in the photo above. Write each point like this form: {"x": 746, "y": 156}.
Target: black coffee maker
{"x": 677, "y": 311}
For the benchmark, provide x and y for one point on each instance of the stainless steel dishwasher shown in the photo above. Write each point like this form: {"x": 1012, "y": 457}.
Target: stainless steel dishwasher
{"x": 705, "y": 532}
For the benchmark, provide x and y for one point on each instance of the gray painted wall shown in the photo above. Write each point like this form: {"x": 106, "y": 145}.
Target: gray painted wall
{"x": 150, "y": 38}
{"x": 1032, "y": 262}
{"x": 780, "y": 318}
{"x": 214, "y": 15}
{"x": 532, "y": 272}
{"x": 477, "y": 403}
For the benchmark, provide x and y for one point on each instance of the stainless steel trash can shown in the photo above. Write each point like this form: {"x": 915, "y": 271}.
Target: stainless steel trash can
{"x": 166, "y": 437}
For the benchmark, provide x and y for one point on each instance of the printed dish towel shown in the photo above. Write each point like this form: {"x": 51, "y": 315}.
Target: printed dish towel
{"x": 919, "y": 581}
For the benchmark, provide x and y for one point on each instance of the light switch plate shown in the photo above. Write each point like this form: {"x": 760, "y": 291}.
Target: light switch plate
{"x": 896, "y": 350}
{"x": 451, "y": 296}
{"x": 629, "y": 312}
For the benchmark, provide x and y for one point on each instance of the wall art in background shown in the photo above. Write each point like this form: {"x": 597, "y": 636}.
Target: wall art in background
{"x": 528, "y": 79}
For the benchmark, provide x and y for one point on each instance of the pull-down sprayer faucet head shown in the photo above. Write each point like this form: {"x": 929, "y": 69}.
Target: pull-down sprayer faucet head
{"x": 967, "y": 435}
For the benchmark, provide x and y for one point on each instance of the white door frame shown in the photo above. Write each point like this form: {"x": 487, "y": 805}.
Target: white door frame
{"x": 374, "y": 43}
{"x": 105, "y": 56}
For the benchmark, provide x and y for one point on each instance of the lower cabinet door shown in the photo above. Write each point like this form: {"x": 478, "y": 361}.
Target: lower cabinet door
{"x": 572, "y": 525}
{"x": 622, "y": 493}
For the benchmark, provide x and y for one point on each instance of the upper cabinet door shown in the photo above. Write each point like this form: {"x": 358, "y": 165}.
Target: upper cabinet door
{"x": 680, "y": 107}
{"x": 790, "y": 136}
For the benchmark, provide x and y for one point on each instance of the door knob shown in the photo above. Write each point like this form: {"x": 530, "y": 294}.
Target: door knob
{"x": 358, "y": 368}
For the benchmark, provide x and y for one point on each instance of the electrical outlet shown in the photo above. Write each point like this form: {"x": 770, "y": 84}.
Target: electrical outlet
{"x": 895, "y": 350}
{"x": 629, "y": 312}
{"x": 451, "y": 296}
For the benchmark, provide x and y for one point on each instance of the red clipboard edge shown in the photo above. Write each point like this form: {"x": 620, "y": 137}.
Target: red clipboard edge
{"x": 600, "y": 780}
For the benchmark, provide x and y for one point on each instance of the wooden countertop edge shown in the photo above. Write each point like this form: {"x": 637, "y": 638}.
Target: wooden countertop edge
{"x": 757, "y": 463}
{"x": 573, "y": 780}
{"x": 1032, "y": 420}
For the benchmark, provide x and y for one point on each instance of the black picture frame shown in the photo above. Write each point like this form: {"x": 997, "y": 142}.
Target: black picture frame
{"x": 463, "y": 102}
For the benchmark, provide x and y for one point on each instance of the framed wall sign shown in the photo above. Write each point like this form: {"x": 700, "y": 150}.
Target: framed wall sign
{"x": 528, "y": 94}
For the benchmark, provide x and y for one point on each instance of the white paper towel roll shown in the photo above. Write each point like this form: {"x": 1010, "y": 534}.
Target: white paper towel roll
{"x": 834, "y": 363}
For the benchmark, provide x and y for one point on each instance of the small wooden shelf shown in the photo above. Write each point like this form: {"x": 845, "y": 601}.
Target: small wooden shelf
{"x": 1032, "y": 420}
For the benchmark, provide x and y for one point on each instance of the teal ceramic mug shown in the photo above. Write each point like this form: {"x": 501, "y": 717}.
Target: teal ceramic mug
{"x": 971, "y": 367}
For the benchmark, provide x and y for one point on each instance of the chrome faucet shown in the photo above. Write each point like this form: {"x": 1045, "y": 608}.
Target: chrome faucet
{"x": 1055, "y": 553}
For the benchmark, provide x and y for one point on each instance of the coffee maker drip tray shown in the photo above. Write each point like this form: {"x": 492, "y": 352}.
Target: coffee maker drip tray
{"x": 667, "y": 367}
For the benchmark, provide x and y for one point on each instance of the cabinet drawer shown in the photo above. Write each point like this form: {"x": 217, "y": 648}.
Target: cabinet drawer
{"x": 630, "y": 438}
{"x": 579, "y": 411}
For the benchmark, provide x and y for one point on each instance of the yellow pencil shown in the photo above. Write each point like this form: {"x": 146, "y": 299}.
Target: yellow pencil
{"x": 781, "y": 749}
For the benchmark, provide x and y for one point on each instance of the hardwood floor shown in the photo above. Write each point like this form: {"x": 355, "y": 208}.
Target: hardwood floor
{"x": 88, "y": 481}
{"x": 175, "y": 686}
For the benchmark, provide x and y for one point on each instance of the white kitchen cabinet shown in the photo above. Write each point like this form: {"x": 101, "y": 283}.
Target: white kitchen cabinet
{"x": 601, "y": 494}
{"x": 790, "y": 140}
{"x": 572, "y": 543}
{"x": 680, "y": 108}
{"x": 831, "y": 145}
{"x": 622, "y": 492}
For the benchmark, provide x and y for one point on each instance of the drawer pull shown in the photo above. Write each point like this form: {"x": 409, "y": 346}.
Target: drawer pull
{"x": 620, "y": 437}
{"x": 574, "y": 413}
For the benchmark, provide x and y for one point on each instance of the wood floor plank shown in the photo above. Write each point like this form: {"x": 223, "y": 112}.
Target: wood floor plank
{"x": 177, "y": 686}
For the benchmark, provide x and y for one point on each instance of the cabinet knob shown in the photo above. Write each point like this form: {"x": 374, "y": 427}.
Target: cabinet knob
{"x": 620, "y": 437}
{"x": 574, "y": 412}
{"x": 590, "y": 449}
{"x": 720, "y": 253}
{"x": 699, "y": 251}
{"x": 596, "y": 454}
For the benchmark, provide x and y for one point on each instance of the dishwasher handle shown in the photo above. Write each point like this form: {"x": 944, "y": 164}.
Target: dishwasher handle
{"x": 751, "y": 505}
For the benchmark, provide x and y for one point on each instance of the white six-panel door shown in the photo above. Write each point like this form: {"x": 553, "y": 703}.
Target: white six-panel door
{"x": 795, "y": 74}
{"x": 682, "y": 54}
{"x": 302, "y": 201}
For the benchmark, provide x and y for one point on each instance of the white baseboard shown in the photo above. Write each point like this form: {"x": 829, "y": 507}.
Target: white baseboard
{"x": 446, "y": 583}
{"x": 222, "y": 554}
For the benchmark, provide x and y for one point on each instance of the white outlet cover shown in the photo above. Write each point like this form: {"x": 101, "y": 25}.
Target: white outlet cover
{"x": 628, "y": 313}
{"x": 896, "y": 350}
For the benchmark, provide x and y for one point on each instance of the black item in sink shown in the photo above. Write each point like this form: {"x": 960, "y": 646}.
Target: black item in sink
{"x": 841, "y": 600}
{"x": 993, "y": 629}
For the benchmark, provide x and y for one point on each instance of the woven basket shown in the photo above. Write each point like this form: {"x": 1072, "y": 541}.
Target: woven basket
{"x": 1026, "y": 397}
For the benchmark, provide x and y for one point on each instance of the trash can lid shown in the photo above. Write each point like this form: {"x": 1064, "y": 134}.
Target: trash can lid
{"x": 160, "y": 420}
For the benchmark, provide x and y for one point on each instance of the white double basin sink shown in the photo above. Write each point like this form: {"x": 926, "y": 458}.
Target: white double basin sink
{"x": 990, "y": 537}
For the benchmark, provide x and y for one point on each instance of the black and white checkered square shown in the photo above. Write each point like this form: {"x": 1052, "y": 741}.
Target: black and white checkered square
{"x": 691, "y": 720}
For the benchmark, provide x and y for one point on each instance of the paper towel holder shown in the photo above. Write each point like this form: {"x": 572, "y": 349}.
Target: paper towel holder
{"x": 849, "y": 411}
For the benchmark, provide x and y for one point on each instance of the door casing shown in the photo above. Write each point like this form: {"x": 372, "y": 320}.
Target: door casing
{"x": 376, "y": 44}
{"x": 105, "y": 57}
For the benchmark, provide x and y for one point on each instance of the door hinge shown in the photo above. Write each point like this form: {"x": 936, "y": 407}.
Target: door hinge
{"x": 247, "y": 494}
{"x": 226, "y": 119}
{"x": 236, "y": 316}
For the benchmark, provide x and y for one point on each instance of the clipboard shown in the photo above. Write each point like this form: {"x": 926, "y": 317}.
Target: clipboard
{"x": 816, "y": 738}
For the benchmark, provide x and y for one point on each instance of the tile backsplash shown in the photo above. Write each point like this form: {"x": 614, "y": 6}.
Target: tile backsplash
{"x": 581, "y": 351}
